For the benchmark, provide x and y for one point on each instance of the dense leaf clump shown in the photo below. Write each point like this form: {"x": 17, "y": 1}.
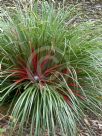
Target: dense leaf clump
{"x": 50, "y": 69}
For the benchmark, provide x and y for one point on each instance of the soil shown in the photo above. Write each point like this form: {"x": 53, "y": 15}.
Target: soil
{"x": 92, "y": 127}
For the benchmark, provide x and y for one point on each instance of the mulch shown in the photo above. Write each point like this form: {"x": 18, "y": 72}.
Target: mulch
{"x": 92, "y": 127}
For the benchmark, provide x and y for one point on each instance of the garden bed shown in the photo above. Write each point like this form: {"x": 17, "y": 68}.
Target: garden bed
{"x": 94, "y": 125}
{"x": 91, "y": 12}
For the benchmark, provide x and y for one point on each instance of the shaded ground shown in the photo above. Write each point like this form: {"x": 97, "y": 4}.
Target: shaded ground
{"x": 91, "y": 12}
{"x": 94, "y": 125}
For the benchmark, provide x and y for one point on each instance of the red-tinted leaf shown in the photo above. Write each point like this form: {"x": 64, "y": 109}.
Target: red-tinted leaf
{"x": 66, "y": 71}
{"x": 67, "y": 99}
{"x": 75, "y": 91}
{"x": 20, "y": 80}
{"x": 80, "y": 96}
{"x": 21, "y": 71}
{"x": 32, "y": 50}
{"x": 34, "y": 60}
{"x": 73, "y": 84}
{"x": 45, "y": 61}
{"x": 48, "y": 71}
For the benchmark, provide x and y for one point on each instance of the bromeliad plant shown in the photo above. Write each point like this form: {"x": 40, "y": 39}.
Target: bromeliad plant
{"x": 50, "y": 70}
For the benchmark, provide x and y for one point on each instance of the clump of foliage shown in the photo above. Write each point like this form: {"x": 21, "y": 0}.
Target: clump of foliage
{"x": 50, "y": 70}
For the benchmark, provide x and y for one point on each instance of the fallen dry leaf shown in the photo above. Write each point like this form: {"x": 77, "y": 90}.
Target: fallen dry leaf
{"x": 86, "y": 121}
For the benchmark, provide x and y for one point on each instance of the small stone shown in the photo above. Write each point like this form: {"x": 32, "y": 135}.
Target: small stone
{"x": 36, "y": 78}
